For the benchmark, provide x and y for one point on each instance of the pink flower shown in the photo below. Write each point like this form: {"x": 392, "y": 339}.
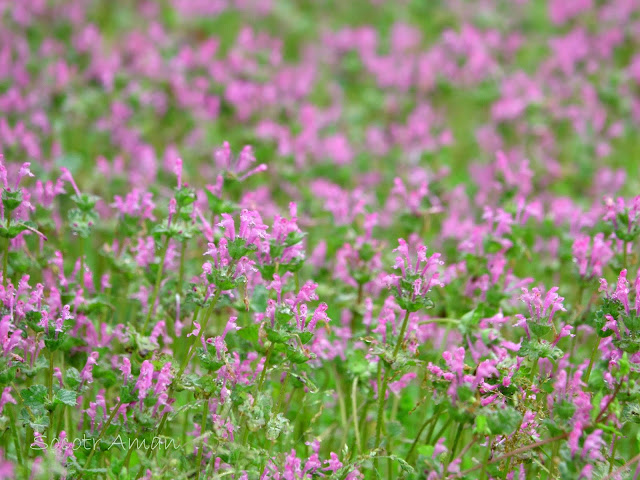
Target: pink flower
{"x": 87, "y": 372}
{"x": 6, "y": 398}
{"x": 145, "y": 379}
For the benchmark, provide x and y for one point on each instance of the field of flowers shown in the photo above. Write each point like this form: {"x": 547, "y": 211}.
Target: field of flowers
{"x": 304, "y": 239}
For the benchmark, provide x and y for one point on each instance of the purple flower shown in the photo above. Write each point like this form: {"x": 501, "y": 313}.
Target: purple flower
{"x": 87, "y": 372}
{"x": 143, "y": 384}
{"x": 164, "y": 379}
{"x": 6, "y": 398}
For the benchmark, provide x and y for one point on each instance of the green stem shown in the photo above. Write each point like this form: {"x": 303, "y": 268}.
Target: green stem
{"x": 382, "y": 391}
{"x": 51, "y": 392}
{"x": 69, "y": 421}
{"x": 442, "y": 429}
{"x": 436, "y": 417}
{"x": 427, "y": 422}
{"x": 512, "y": 453}
{"x": 403, "y": 329}
{"x": 81, "y": 242}
{"x": 263, "y": 374}
{"x": 5, "y": 257}
{"x": 363, "y": 425}
{"x": 382, "y": 382}
{"x": 185, "y": 345}
{"x": 591, "y": 360}
{"x": 283, "y": 390}
{"x": 203, "y": 328}
{"x": 205, "y": 411}
{"x": 620, "y": 469}
{"x": 343, "y": 409}
{"x": 181, "y": 274}
{"x": 156, "y": 289}
{"x": 354, "y": 407}
{"x": 61, "y": 420}
{"x": 185, "y": 362}
{"x": 483, "y": 474}
{"x": 14, "y": 434}
{"x": 130, "y": 451}
{"x": 455, "y": 445}
{"x": 534, "y": 370}
{"x": 102, "y": 432}
{"x": 439, "y": 320}
{"x": 554, "y": 456}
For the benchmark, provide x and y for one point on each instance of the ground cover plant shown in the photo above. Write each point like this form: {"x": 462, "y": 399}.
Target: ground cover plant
{"x": 296, "y": 239}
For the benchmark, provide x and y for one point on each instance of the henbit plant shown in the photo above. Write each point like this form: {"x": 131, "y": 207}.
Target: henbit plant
{"x": 433, "y": 275}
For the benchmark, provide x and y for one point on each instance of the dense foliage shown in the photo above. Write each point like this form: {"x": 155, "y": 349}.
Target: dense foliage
{"x": 296, "y": 239}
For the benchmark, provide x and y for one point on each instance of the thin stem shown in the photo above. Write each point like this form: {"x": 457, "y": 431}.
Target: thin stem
{"x": 81, "y": 246}
{"x": 611, "y": 399}
{"x": 382, "y": 391}
{"x": 354, "y": 407}
{"x": 264, "y": 368}
{"x": 618, "y": 470}
{"x": 442, "y": 429}
{"x": 130, "y": 451}
{"x": 439, "y": 320}
{"x": 534, "y": 370}
{"x": 417, "y": 439}
{"x": 403, "y": 329}
{"x": 14, "y": 434}
{"x": 554, "y": 455}
{"x": 343, "y": 408}
{"x": 203, "y": 328}
{"x": 189, "y": 354}
{"x": 486, "y": 459}
{"x": 455, "y": 444}
{"x": 381, "y": 401}
{"x": 591, "y": 360}
{"x": 51, "y": 391}
{"x": 181, "y": 274}
{"x": 102, "y": 432}
{"x": 468, "y": 446}
{"x": 512, "y": 453}
{"x": 156, "y": 288}
{"x": 283, "y": 390}
{"x": 205, "y": 411}
{"x": 613, "y": 453}
{"x": 362, "y": 422}
{"x": 436, "y": 414}
{"x": 5, "y": 257}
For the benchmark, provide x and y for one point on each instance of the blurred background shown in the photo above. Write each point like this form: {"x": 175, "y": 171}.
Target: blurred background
{"x": 357, "y": 92}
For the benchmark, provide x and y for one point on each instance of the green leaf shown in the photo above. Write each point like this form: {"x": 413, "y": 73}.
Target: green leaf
{"x": 66, "y": 397}
{"x": 404, "y": 466}
{"x": 426, "y": 450}
{"x": 72, "y": 377}
{"x": 259, "y": 298}
{"x": 128, "y": 393}
{"x": 564, "y": 409}
{"x": 39, "y": 422}
{"x": 609, "y": 429}
{"x": 536, "y": 349}
{"x": 11, "y": 199}
{"x": 631, "y": 413}
{"x": 625, "y": 366}
{"x": 249, "y": 333}
{"x": 357, "y": 363}
{"x": 504, "y": 421}
{"x": 296, "y": 355}
{"x": 34, "y": 396}
{"x": 482, "y": 426}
